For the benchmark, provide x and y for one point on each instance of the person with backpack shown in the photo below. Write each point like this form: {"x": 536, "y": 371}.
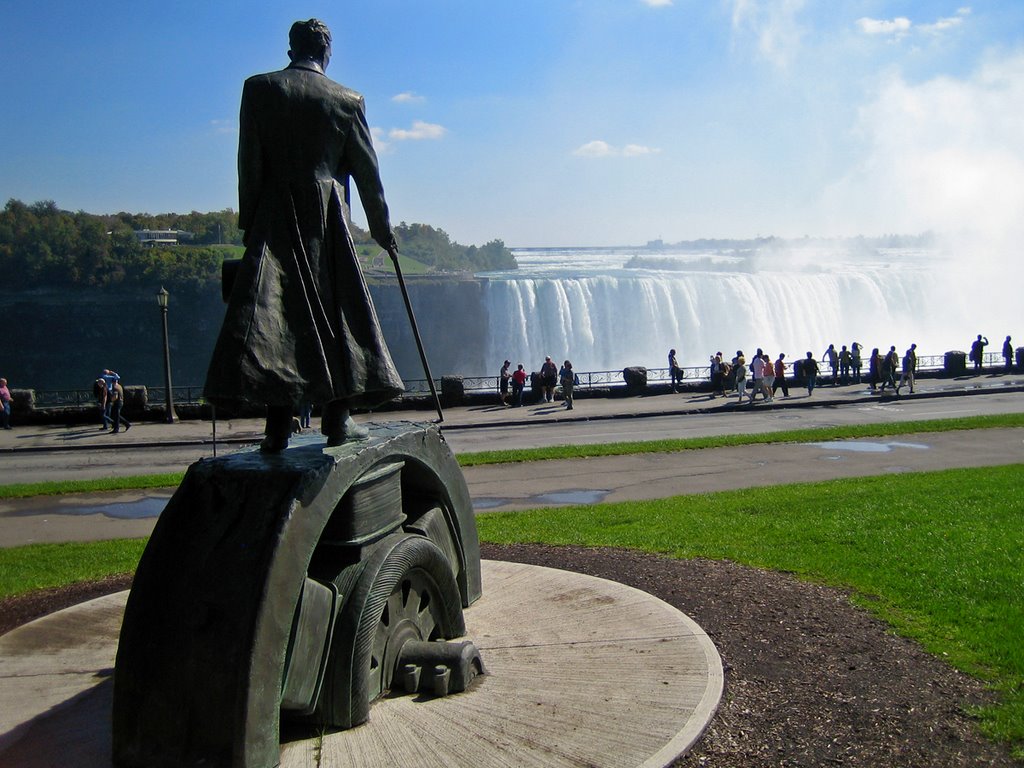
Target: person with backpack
{"x": 909, "y": 368}
{"x": 780, "y": 376}
{"x": 889, "y": 364}
{"x": 116, "y": 399}
{"x": 674, "y": 371}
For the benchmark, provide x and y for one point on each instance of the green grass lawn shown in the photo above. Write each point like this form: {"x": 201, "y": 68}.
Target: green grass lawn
{"x": 38, "y": 566}
{"x": 938, "y": 555}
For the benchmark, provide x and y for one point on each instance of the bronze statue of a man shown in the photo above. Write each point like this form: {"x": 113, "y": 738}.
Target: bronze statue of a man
{"x": 300, "y": 325}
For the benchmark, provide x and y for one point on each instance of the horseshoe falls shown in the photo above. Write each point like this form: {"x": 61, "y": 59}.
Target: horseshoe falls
{"x": 606, "y": 310}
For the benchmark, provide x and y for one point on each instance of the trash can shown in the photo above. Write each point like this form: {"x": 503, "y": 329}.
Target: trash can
{"x": 955, "y": 363}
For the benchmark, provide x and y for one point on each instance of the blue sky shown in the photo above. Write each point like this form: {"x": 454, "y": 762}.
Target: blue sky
{"x": 548, "y": 122}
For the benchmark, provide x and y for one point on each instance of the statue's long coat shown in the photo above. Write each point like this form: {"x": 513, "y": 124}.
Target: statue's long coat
{"x": 300, "y": 325}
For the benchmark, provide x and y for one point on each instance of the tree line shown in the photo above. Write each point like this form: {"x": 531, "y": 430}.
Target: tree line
{"x": 44, "y": 246}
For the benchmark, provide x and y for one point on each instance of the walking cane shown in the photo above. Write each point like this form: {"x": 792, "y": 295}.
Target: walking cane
{"x": 393, "y": 253}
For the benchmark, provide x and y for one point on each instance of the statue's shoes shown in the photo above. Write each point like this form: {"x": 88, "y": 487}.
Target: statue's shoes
{"x": 349, "y": 431}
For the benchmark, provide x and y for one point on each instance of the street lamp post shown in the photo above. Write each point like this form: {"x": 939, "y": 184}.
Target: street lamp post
{"x": 162, "y": 299}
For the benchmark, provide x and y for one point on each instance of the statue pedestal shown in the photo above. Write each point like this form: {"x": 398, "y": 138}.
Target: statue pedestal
{"x": 580, "y": 671}
{"x": 288, "y": 583}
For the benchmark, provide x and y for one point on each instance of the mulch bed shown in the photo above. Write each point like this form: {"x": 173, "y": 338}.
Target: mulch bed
{"x": 811, "y": 680}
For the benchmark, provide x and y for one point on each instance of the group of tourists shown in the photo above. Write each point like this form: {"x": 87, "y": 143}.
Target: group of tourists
{"x": 110, "y": 394}
{"x": 512, "y": 384}
{"x": 762, "y": 376}
{"x": 845, "y": 365}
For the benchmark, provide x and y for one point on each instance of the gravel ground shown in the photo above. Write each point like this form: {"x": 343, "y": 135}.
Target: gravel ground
{"x": 811, "y": 680}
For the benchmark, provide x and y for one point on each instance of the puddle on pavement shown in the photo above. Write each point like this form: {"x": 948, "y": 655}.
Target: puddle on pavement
{"x": 867, "y": 447}
{"x": 555, "y": 497}
{"x": 151, "y": 506}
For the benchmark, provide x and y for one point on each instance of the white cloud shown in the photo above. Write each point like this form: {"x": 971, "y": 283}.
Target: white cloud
{"x": 420, "y": 131}
{"x": 949, "y": 22}
{"x": 636, "y": 150}
{"x": 657, "y": 3}
{"x": 408, "y": 97}
{"x": 600, "y": 148}
{"x": 901, "y": 26}
{"x": 774, "y": 26}
{"x": 897, "y": 27}
{"x": 594, "y": 149}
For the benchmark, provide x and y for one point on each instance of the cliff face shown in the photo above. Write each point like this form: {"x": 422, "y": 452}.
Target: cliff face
{"x": 452, "y": 320}
{"x": 54, "y": 340}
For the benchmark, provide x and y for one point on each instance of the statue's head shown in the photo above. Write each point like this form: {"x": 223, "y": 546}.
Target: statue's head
{"x": 310, "y": 40}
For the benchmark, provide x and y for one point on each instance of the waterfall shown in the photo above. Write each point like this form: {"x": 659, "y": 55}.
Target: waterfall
{"x": 605, "y": 317}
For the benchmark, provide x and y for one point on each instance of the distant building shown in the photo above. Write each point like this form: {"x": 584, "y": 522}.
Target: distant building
{"x": 151, "y": 237}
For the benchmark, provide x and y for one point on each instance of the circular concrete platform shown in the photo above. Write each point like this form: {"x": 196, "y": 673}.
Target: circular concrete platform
{"x": 581, "y": 671}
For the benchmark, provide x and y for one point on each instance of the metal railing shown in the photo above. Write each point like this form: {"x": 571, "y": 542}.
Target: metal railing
{"x": 192, "y": 395}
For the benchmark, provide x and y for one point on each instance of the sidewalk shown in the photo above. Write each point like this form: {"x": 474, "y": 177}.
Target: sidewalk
{"x": 36, "y": 438}
{"x": 65, "y": 452}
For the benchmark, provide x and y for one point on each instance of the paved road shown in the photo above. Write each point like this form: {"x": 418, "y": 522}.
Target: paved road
{"x": 735, "y": 422}
{"x": 86, "y": 452}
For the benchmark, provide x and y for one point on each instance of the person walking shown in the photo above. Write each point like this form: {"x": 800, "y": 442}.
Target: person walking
{"x": 768, "y": 378}
{"x": 5, "y": 404}
{"x": 518, "y": 385}
{"x": 889, "y": 365}
{"x": 978, "y": 351}
{"x": 567, "y": 379}
{"x": 116, "y": 399}
{"x": 810, "y": 372}
{"x": 909, "y": 368}
{"x": 780, "y": 376}
{"x": 757, "y": 374}
{"x": 99, "y": 391}
{"x": 739, "y": 367}
{"x": 1008, "y": 354}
